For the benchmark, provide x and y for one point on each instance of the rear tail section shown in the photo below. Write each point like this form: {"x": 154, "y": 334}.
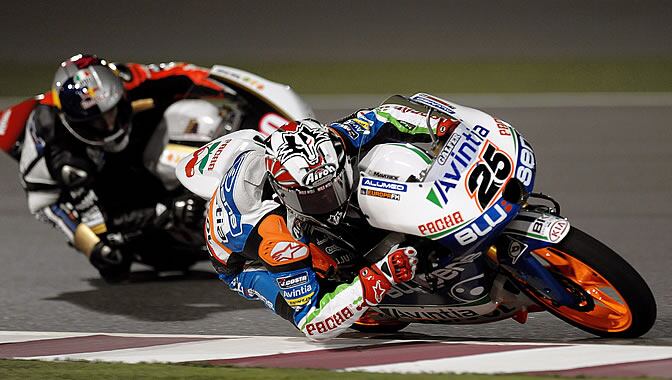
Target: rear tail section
{"x": 12, "y": 124}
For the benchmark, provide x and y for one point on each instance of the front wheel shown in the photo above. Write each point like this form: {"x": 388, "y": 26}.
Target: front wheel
{"x": 618, "y": 303}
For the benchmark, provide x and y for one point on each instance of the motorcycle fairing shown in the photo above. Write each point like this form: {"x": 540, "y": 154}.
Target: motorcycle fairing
{"x": 501, "y": 301}
{"x": 278, "y": 98}
{"x": 459, "y": 201}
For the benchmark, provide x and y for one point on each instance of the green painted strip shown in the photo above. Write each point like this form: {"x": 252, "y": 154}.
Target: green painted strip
{"x": 433, "y": 198}
{"x": 328, "y": 297}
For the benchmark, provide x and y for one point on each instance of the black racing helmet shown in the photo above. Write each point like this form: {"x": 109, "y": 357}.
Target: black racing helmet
{"x": 92, "y": 102}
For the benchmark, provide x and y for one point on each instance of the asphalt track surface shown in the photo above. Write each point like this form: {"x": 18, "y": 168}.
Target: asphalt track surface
{"x": 608, "y": 166}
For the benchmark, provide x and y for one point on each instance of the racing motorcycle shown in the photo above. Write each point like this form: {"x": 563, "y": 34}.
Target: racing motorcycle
{"x": 251, "y": 102}
{"x": 490, "y": 247}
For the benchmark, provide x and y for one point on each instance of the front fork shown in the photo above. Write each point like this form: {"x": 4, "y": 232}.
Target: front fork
{"x": 534, "y": 229}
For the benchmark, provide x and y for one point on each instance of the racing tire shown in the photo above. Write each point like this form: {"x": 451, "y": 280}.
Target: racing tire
{"x": 622, "y": 304}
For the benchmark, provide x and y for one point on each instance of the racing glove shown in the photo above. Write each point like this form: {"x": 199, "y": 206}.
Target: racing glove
{"x": 185, "y": 211}
{"x": 398, "y": 265}
{"x": 111, "y": 263}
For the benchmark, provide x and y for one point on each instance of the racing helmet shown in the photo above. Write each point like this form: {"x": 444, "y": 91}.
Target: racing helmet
{"x": 308, "y": 168}
{"x": 92, "y": 102}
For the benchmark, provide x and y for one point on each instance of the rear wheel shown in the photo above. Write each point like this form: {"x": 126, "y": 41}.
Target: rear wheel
{"x": 616, "y": 302}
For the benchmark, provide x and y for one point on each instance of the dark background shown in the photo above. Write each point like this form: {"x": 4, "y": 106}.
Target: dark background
{"x": 255, "y": 30}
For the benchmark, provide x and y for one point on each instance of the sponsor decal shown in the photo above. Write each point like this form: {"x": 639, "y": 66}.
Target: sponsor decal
{"x": 378, "y": 291}
{"x": 335, "y": 217}
{"x": 526, "y": 163}
{"x": 457, "y": 161}
{"x": 516, "y": 249}
{"x": 442, "y": 314}
{"x": 434, "y": 102}
{"x": 380, "y": 194}
{"x": 483, "y": 224}
{"x": 241, "y": 77}
{"x": 85, "y": 79}
{"x": 285, "y": 251}
{"x": 385, "y": 175}
{"x": 340, "y": 255}
{"x": 331, "y": 322}
{"x": 503, "y": 127}
{"x": 443, "y": 156}
{"x": 441, "y": 224}
{"x": 215, "y": 156}
{"x": 544, "y": 227}
{"x": 299, "y": 301}
{"x": 270, "y": 122}
{"x": 219, "y": 223}
{"x": 200, "y": 158}
{"x": 380, "y": 184}
{"x": 399, "y": 290}
{"x": 303, "y": 291}
{"x": 486, "y": 179}
{"x": 293, "y": 280}
{"x": 557, "y": 230}
{"x": 319, "y": 176}
{"x": 4, "y": 122}
{"x": 352, "y": 133}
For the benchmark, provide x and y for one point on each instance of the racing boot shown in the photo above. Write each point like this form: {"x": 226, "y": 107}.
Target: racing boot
{"x": 328, "y": 316}
{"x": 397, "y": 266}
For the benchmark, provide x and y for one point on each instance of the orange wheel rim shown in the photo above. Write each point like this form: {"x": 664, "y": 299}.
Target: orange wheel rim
{"x": 611, "y": 313}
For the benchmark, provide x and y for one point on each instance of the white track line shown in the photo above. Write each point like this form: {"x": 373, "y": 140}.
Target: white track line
{"x": 530, "y": 360}
{"x": 560, "y": 356}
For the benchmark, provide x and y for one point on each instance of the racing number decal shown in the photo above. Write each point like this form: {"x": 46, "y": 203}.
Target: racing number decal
{"x": 489, "y": 176}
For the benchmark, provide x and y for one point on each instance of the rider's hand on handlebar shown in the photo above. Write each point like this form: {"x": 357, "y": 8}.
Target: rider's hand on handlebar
{"x": 185, "y": 211}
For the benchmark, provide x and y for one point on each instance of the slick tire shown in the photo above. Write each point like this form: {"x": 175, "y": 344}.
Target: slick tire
{"x": 631, "y": 298}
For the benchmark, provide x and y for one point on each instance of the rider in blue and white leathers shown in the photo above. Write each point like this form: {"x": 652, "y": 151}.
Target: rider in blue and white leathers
{"x": 270, "y": 190}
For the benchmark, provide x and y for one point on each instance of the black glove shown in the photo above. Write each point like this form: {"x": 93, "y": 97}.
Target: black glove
{"x": 70, "y": 170}
{"x": 112, "y": 264}
{"x": 184, "y": 211}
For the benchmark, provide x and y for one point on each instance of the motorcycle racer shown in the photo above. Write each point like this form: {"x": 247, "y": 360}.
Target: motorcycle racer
{"x": 83, "y": 142}
{"x": 271, "y": 191}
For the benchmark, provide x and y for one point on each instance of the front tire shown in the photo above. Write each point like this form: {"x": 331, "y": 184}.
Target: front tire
{"x": 624, "y": 306}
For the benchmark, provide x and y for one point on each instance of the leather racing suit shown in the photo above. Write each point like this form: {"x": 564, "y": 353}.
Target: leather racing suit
{"x": 83, "y": 190}
{"x": 245, "y": 223}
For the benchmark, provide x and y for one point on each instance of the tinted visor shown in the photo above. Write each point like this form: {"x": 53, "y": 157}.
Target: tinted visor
{"x": 321, "y": 200}
{"x": 104, "y": 128}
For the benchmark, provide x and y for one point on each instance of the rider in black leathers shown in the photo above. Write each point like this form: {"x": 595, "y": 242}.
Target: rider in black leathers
{"x": 81, "y": 162}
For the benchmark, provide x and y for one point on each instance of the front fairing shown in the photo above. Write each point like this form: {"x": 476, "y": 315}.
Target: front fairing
{"x": 460, "y": 202}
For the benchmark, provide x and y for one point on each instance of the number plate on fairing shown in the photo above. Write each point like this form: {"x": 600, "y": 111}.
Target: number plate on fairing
{"x": 460, "y": 197}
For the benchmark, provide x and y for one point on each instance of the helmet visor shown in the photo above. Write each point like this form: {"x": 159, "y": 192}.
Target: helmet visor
{"x": 104, "y": 128}
{"x": 321, "y": 200}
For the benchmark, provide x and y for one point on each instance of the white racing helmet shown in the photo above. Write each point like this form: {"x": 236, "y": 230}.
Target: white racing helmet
{"x": 308, "y": 168}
